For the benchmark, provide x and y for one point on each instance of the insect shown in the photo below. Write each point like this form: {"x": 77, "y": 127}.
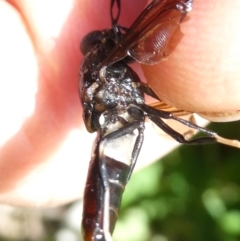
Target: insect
{"x": 112, "y": 97}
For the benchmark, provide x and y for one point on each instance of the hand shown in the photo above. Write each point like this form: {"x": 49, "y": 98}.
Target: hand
{"x": 45, "y": 148}
{"x": 202, "y": 74}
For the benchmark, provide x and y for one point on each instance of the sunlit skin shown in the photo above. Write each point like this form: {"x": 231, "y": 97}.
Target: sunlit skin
{"x": 45, "y": 148}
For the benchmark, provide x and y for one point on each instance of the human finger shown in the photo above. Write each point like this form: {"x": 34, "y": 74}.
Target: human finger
{"x": 202, "y": 74}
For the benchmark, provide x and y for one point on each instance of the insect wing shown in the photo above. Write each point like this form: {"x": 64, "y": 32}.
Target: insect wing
{"x": 160, "y": 105}
{"x": 148, "y": 37}
{"x": 154, "y": 45}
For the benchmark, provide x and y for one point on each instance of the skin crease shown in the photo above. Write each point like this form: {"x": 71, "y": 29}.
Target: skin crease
{"x": 40, "y": 163}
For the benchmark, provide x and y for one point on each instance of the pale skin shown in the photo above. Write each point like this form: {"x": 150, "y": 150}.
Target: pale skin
{"x": 44, "y": 146}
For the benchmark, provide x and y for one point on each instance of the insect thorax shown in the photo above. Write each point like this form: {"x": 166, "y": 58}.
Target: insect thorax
{"x": 112, "y": 91}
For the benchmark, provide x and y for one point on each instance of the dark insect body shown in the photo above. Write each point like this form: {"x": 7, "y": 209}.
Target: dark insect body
{"x": 112, "y": 97}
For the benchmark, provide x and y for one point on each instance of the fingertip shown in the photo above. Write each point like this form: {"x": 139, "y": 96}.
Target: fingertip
{"x": 202, "y": 73}
{"x": 18, "y": 73}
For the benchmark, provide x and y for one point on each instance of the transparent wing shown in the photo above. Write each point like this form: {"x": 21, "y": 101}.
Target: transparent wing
{"x": 148, "y": 39}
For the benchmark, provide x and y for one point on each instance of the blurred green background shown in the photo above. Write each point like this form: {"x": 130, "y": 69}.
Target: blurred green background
{"x": 192, "y": 194}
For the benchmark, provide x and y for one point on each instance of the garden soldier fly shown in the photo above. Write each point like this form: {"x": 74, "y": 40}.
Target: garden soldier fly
{"x": 112, "y": 97}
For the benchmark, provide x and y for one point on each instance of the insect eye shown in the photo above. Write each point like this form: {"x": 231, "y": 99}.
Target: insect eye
{"x": 90, "y": 40}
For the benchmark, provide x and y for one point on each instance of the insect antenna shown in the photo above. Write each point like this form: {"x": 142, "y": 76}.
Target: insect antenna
{"x": 118, "y": 5}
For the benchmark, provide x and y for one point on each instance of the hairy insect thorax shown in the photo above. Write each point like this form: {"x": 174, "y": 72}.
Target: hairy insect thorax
{"x": 107, "y": 91}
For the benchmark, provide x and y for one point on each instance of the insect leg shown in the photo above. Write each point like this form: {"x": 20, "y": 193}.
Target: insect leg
{"x": 136, "y": 149}
{"x": 168, "y": 115}
{"x": 147, "y": 90}
{"x": 213, "y": 137}
{"x": 178, "y": 137}
{"x": 229, "y": 142}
